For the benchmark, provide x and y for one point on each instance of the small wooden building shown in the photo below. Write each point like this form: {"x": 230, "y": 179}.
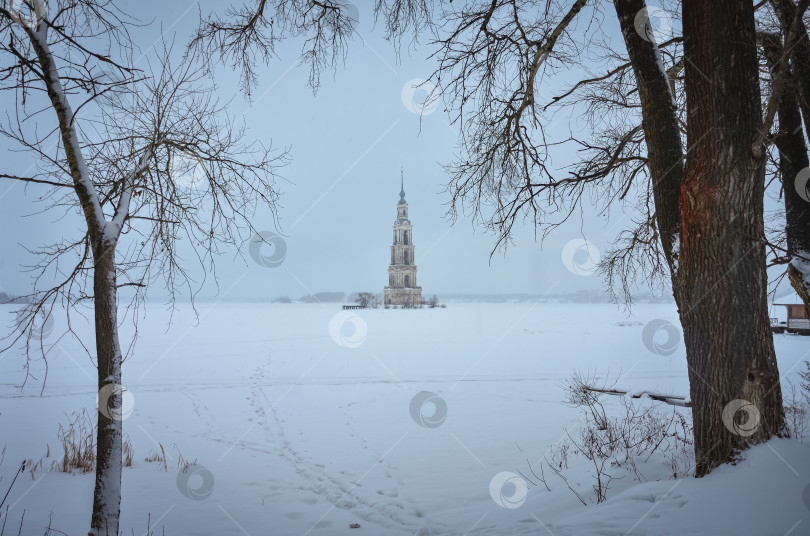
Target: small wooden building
{"x": 797, "y": 321}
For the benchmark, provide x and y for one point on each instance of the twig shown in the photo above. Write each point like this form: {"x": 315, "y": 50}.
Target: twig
{"x": 559, "y": 474}
{"x": 20, "y": 470}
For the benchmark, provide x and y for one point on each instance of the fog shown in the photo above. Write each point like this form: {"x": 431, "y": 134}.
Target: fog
{"x": 348, "y": 144}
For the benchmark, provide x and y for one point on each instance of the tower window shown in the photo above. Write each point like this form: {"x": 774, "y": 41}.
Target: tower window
{"x": 405, "y": 238}
{"x": 407, "y": 281}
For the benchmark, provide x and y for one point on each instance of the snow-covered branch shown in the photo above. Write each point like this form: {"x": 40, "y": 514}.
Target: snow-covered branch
{"x": 83, "y": 183}
{"x": 113, "y": 228}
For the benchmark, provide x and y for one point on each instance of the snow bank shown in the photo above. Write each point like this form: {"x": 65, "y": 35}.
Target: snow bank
{"x": 766, "y": 493}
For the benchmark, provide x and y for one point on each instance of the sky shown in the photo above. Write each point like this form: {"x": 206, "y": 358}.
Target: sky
{"x": 348, "y": 143}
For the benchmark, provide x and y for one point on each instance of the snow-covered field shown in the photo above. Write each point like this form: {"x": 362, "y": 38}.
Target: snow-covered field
{"x": 306, "y": 420}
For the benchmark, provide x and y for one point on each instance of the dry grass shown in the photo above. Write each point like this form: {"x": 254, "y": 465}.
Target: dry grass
{"x": 159, "y": 458}
{"x": 162, "y": 459}
{"x": 796, "y": 409}
{"x": 78, "y": 440}
{"x": 182, "y": 463}
{"x": 617, "y": 447}
{"x": 127, "y": 452}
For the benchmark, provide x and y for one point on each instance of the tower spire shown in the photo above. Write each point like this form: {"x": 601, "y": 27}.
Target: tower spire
{"x": 402, "y": 188}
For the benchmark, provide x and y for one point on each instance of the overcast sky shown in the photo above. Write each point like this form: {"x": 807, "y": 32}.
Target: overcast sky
{"x": 348, "y": 143}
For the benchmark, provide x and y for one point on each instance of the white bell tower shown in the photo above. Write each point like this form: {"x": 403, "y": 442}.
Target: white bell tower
{"x": 402, "y": 289}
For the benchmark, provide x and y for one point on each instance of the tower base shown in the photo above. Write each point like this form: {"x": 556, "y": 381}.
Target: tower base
{"x": 402, "y": 297}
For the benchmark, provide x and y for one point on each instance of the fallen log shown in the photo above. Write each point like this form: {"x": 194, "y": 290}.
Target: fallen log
{"x": 673, "y": 400}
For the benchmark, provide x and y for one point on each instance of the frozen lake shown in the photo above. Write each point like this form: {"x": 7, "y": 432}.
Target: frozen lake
{"x": 304, "y": 419}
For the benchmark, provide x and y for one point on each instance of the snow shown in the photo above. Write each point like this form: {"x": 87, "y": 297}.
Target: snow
{"x": 660, "y": 62}
{"x": 645, "y": 16}
{"x": 112, "y": 229}
{"x": 291, "y": 429}
{"x": 787, "y": 299}
{"x": 803, "y": 266}
{"x": 676, "y": 250}
{"x": 765, "y": 493}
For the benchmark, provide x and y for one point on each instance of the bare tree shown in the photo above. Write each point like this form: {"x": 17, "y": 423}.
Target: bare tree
{"x": 146, "y": 159}
{"x": 790, "y": 141}
{"x": 701, "y": 212}
{"x": 697, "y": 212}
{"x": 365, "y": 299}
{"x": 707, "y": 208}
{"x": 694, "y": 158}
{"x": 251, "y": 32}
{"x": 721, "y": 276}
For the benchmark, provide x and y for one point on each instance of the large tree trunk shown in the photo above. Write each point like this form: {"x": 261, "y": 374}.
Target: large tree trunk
{"x": 718, "y": 274}
{"x": 733, "y": 375}
{"x": 793, "y": 158}
{"x": 107, "y": 494}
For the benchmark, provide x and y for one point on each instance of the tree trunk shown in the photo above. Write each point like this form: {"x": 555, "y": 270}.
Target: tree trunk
{"x": 107, "y": 494}
{"x": 793, "y": 158}
{"x": 799, "y": 55}
{"x": 733, "y": 375}
{"x": 660, "y": 123}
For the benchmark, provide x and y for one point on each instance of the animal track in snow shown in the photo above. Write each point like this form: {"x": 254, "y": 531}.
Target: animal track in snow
{"x": 379, "y": 509}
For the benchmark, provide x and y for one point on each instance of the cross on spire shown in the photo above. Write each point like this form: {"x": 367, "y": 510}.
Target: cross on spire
{"x": 402, "y": 190}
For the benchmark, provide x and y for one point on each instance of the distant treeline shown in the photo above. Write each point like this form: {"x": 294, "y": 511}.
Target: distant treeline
{"x": 320, "y": 297}
{"x": 327, "y": 297}
{"x": 579, "y": 296}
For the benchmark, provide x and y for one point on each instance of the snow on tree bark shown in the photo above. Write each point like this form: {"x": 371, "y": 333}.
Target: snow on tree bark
{"x": 107, "y": 493}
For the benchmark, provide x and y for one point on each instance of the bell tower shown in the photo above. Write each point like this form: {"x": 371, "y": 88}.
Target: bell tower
{"x": 402, "y": 289}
